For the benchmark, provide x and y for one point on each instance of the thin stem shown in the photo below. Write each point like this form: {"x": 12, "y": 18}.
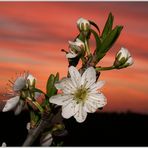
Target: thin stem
{"x": 83, "y": 60}
{"x": 87, "y": 47}
{"x": 105, "y": 68}
{"x": 36, "y": 104}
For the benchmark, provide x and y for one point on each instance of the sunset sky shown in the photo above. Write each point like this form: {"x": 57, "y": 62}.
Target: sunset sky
{"x": 33, "y": 33}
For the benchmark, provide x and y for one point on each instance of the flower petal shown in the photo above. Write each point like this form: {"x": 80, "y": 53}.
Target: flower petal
{"x": 66, "y": 86}
{"x": 123, "y": 53}
{"x": 100, "y": 98}
{"x": 19, "y": 84}
{"x": 94, "y": 102}
{"x": 46, "y": 140}
{"x": 94, "y": 88}
{"x": 11, "y": 103}
{"x": 71, "y": 55}
{"x": 68, "y": 110}
{"x": 81, "y": 114}
{"x": 130, "y": 61}
{"x": 88, "y": 77}
{"x": 90, "y": 106}
{"x": 31, "y": 79}
{"x": 60, "y": 99}
{"x": 75, "y": 76}
{"x": 19, "y": 107}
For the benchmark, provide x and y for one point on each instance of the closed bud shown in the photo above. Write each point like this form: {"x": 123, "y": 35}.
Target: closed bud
{"x": 4, "y": 144}
{"x": 31, "y": 81}
{"x": 123, "y": 58}
{"x": 83, "y": 24}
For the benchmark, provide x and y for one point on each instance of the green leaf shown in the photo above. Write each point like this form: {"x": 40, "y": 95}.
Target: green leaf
{"x": 95, "y": 25}
{"x": 108, "y": 26}
{"x": 109, "y": 41}
{"x": 98, "y": 40}
{"x": 50, "y": 88}
{"x": 49, "y": 84}
{"x": 56, "y": 78}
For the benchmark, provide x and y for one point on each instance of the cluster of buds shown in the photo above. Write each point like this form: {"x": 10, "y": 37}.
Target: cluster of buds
{"x": 78, "y": 47}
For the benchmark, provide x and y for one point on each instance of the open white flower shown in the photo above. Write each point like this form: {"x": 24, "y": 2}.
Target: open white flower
{"x": 83, "y": 24}
{"x": 75, "y": 48}
{"x": 80, "y": 94}
{"x": 123, "y": 58}
{"x": 17, "y": 90}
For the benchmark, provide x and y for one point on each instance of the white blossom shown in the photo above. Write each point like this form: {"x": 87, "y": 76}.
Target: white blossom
{"x": 80, "y": 95}
{"x": 75, "y": 48}
{"x": 15, "y": 102}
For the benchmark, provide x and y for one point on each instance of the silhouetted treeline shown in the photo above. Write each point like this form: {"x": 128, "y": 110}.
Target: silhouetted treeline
{"x": 100, "y": 129}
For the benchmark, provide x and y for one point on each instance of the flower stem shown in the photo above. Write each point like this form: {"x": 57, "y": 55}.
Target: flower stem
{"x": 87, "y": 47}
{"x": 36, "y": 104}
{"x": 105, "y": 68}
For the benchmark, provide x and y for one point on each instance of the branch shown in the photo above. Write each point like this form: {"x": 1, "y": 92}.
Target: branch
{"x": 34, "y": 133}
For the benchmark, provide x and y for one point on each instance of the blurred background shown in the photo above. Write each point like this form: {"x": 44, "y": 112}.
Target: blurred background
{"x": 32, "y": 35}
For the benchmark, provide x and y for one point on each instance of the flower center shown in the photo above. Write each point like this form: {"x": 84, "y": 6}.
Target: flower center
{"x": 80, "y": 95}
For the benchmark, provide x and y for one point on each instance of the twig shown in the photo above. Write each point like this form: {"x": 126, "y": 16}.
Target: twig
{"x": 32, "y": 135}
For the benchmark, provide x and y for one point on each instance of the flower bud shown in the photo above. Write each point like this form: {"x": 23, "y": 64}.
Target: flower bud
{"x": 31, "y": 81}
{"x": 4, "y": 144}
{"x": 83, "y": 24}
{"x": 76, "y": 48}
{"x": 123, "y": 58}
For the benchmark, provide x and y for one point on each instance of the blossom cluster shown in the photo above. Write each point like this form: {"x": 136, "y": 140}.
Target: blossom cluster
{"x": 75, "y": 95}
